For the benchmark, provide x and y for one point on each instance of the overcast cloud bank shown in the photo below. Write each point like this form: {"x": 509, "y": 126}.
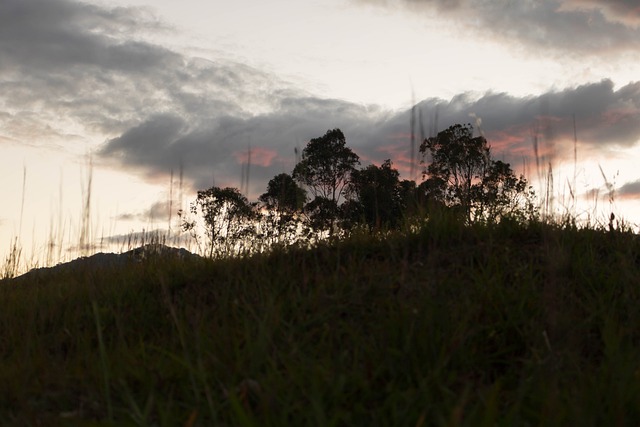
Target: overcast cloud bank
{"x": 72, "y": 68}
{"x": 575, "y": 27}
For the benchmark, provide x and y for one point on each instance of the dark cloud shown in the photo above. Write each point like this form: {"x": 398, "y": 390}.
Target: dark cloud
{"x": 576, "y": 27}
{"x": 630, "y": 190}
{"x": 161, "y": 111}
{"x": 216, "y": 150}
{"x": 55, "y": 35}
{"x": 158, "y": 212}
{"x": 67, "y": 62}
{"x": 146, "y": 143}
{"x": 604, "y": 117}
{"x": 127, "y": 217}
{"x": 625, "y": 11}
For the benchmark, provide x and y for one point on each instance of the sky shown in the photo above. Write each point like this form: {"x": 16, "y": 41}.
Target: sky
{"x": 134, "y": 105}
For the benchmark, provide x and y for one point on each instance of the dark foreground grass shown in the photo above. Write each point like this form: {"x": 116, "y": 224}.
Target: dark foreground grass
{"x": 450, "y": 326}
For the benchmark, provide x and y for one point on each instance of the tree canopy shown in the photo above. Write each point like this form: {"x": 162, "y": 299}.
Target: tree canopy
{"x": 326, "y": 165}
{"x": 227, "y": 216}
{"x": 283, "y": 194}
{"x": 326, "y": 168}
{"x": 459, "y": 177}
{"x": 463, "y": 175}
{"x": 376, "y": 196}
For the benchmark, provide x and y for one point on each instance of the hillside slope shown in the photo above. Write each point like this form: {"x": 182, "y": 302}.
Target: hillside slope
{"x": 447, "y": 326}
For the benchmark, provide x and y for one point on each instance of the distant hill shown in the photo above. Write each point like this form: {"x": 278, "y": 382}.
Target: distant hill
{"x": 103, "y": 260}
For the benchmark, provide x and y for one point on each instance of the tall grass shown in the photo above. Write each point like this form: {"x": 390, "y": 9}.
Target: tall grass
{"x": 437, "y": 324}
{"x": 446, "y": 325}
{"x": 68, "y": 239}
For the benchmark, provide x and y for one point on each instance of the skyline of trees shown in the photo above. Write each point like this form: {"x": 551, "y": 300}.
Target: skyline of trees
{"x": 461, "y": 178}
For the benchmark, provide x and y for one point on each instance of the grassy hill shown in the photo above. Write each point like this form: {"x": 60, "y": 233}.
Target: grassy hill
{"x": 447, "y": 326}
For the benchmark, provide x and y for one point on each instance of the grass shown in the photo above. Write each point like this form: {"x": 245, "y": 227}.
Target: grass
{"x": 445, "y": 326}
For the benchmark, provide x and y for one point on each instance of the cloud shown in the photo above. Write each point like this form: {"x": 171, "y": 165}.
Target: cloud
{"x": 68, "y": 65}
{"x": 603, "y": 116}
{"x": 148, "y": 142}
{"x": 258, "y": 156}
{"x": 575, "y": 27}
{"x": 74, "y": 65}
{"x": 132, "y": 240}
{"x": 630, "y": 190}
{"x": 159, "y": 211}
{"x": 624, "y": 11}
{"x": 215, "y": 151}
{"x": 50, "y": 35}
{"x": 605, "y": 119}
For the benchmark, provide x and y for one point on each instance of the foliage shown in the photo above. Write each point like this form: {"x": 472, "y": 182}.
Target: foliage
{"x": 462, "y": 180}
{"x": 326, "y": 165}
{"x": 9, "y": 268}
{"x": 488, "y": 324}
{"x": 321, "y": 213}
{"x": 463, "y": 175}
{"x": 377, "y": 197}
{"x": 283, "y": 194}
{"x": 325, "y": 168}
{"x": 502, "y": 195}
{"x": 282, "y": 219}
{"x": 228, "y": 219}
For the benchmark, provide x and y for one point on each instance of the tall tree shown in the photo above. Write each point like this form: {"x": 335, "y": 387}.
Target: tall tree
{"x": 326, "y": 166}
{"x": 284, "y": 199}
{"x": 463, "y": 175}
{"x": 377, "y": 196}
{"x": 503, "y": 194}
{"x": 283, "y": 194}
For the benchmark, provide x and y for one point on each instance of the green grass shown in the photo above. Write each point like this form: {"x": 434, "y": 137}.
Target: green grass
{"x": 499, "y": 325}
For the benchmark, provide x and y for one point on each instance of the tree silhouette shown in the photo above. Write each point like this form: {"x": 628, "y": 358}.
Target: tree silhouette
{"x": 326, "y": 165}
{"x": 284, "y": 200}
{"x": 283, "y": 194}
{"x": 462, "y": 175}
{"x": 228, "y": 219}
{"x": 322, "y": 214}
{"x": 376, "y": 196}
{"x": 502, "y": 194}
{"x": 325, "y": 168}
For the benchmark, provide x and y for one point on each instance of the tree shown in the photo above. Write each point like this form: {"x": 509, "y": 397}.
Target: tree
{"x": 284, "y": 199}
{"x": 377, "y": 196}
{"x": 326, "y": 165}
{"x": 322, "y": 213}
{"x": 413, "y": 200}
{"x": 228, "y": 219}
{"x": 463, "y": 176}
{"x": 503, "y": 195}
{"x": 283, "y": 194}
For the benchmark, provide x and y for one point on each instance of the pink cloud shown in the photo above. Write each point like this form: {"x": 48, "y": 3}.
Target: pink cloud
{"x": 617, "y": 116}
{"x": 400, "y": 156}
{"x": 258, "y": 156}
